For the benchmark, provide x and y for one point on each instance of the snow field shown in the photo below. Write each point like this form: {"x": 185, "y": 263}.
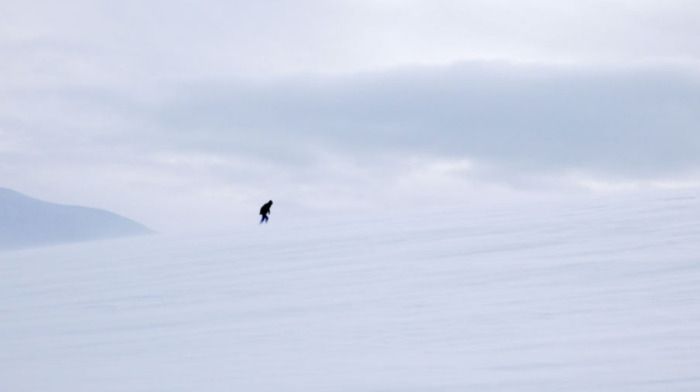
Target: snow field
{"x": 587, "y": 296}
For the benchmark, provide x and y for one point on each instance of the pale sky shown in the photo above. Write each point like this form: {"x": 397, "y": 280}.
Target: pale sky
{"x": 193, "y": 113}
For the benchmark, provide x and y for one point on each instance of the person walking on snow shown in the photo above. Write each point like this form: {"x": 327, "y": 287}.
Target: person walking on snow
{"x": 265, "y": 211}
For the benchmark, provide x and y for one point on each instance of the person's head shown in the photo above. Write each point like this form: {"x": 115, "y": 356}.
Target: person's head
{"x": 270, "y": 202}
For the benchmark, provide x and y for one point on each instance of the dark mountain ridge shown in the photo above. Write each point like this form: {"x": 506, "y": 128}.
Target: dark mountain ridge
{"x": 27, "y": 222}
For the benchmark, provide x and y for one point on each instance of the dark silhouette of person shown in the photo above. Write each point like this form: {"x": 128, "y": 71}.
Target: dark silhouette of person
{"x": 265, "y": 211}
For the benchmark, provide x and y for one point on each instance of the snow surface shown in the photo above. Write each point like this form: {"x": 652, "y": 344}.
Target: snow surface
{"x": 587, "y": 296}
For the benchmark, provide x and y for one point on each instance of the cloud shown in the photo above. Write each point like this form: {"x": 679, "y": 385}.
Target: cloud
{"x": 134, "y": 40}
{"x": 155, "y": 108}
{"x": 635, "y": 121}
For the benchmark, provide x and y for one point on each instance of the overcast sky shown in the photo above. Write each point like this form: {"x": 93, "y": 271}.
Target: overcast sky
{"x": 193, "y": 113}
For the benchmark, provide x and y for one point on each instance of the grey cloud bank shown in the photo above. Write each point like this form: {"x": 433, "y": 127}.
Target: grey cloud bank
{"x": 203, "y": 144}
{"x": 635, "y": 121}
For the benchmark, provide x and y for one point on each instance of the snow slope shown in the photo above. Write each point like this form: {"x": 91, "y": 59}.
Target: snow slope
{"x": 25, "y": 222}
{"x": 587, "y": 296}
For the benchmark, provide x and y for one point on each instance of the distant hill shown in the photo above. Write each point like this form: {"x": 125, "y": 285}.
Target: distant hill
{"x": 26, "y": 222}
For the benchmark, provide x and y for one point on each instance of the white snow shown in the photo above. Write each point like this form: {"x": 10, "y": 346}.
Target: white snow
{"x": 601, "y": 295}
